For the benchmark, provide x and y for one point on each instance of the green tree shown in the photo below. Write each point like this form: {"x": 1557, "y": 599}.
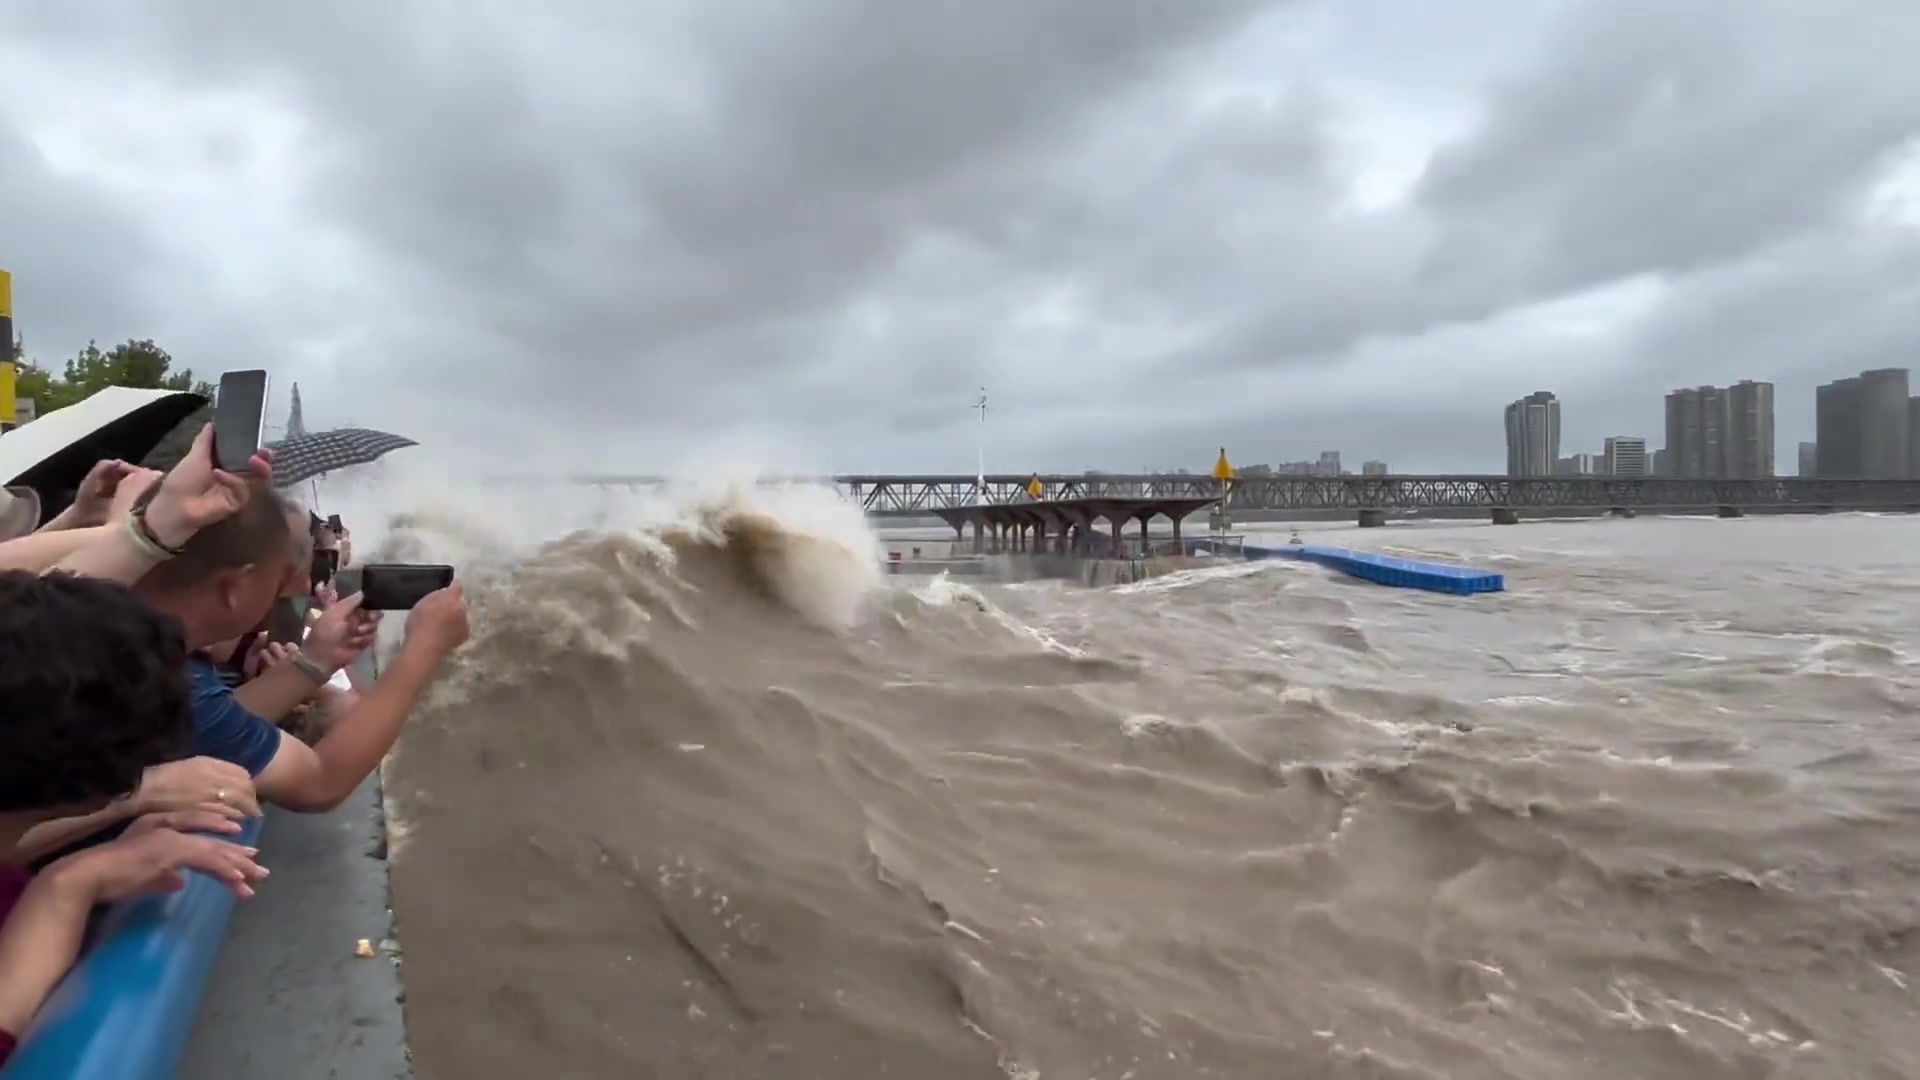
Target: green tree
{"x": 139, "y": 364}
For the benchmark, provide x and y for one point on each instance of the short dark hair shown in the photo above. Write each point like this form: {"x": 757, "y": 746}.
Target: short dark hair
{"x": 93, "y": 689}
{"x": 260, "y": 531}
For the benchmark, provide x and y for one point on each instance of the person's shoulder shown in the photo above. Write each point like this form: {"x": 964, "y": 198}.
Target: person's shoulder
{"x": 204, "y": 677}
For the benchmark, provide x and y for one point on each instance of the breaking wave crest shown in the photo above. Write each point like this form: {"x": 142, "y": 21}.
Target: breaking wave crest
{"x": 709, "y": 795}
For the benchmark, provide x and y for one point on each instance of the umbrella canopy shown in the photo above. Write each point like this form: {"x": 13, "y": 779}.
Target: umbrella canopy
{"x": 53, "y": 453}
{"x": 304, "y": 457}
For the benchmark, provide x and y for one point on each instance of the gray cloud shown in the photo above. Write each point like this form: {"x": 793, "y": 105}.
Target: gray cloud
{"x": 832, "y": 222}
{"x": 90, "y": 259}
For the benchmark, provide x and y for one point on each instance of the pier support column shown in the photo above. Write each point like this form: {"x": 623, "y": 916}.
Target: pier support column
{"x": 1506, "y": 515}
{"x": 1732, "y": 512}
{"x": 1372, "y": 519}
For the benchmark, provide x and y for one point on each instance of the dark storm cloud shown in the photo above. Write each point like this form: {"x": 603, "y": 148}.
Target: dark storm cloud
{"x": 1663, "y": 136}
{"x": 842, "y": 218}
{"x": 91, "y": 257}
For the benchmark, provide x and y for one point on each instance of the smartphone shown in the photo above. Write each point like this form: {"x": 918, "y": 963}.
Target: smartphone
{"x": 239, "y": 418}
{"x": 325, "y": 564}
{"x": 399, "y": 586}
{"x": 333, "y": 522}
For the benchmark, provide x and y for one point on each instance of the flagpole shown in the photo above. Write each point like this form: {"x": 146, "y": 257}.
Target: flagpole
{"x": 980, "y": 444}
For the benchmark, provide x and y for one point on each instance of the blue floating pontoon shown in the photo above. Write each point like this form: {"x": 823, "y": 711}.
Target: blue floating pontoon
{"x": 1387, "y": 570}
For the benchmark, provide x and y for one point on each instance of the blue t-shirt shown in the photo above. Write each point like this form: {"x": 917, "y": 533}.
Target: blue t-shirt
{"x": 224, "y": 729}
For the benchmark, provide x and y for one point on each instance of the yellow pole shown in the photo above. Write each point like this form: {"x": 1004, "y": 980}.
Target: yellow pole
{"x": 8, "y": 412}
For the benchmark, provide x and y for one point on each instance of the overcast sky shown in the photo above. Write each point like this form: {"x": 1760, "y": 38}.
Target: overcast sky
{"x": 637, "y": 233}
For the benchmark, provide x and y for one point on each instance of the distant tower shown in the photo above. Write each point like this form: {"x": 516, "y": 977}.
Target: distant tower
{"x": 1533, "y": 435}
{"x": 296, "y": 421}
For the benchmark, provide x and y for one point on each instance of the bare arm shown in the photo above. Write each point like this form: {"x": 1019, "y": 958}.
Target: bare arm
{"x": 39, "y": 943}
{"x": 50, "y": 836}
{"x": 68, "y": 519}
{"x": 318, "y": 778}
{"x": 39, "y": 552}
{"x": 111, "y": 555}
{"x": 277, "y": 691}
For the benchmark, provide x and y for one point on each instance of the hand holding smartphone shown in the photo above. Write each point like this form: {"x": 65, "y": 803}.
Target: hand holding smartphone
{"x": 239, "y": 418}
{"x": 399, "y": 586}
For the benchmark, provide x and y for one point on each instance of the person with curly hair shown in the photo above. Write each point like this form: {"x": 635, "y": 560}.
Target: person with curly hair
{"x": 95, "y": 685}
{"x": 151, "y": 522}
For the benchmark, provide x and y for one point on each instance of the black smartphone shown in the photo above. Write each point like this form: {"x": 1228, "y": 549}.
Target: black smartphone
{"x": 399, "y": 586}
{"x": 325, "y": 564}
{"x": 239, "y": 418}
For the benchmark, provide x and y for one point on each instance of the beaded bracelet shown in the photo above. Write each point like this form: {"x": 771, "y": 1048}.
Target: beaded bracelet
{"x": 144, "y": 541}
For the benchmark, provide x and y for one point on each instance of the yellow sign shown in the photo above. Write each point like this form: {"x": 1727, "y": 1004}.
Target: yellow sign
{"x": 1223, "y": 469}
{"x": 8, "y": 414}
{"x": 1035, "y": 489}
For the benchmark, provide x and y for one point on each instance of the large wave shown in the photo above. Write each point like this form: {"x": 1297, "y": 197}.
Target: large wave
{"x": 709, "y": 795}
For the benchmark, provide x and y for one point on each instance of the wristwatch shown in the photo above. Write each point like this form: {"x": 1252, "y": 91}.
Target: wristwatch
{"x": 311, "y": 670}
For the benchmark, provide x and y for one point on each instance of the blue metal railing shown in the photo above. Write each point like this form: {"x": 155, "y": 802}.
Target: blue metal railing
{"x": 127, "y": 1009}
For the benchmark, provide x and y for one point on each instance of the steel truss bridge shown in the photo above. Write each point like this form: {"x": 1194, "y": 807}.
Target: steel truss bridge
{"x": 920, "y": 496}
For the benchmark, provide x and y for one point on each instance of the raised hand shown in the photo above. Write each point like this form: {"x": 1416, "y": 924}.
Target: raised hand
{"x": 131, "y": 486}
{"x": 197, "y": 492}
{"x": 341, "y": 634}
{"x": 271, "y": 655}
{"x": 93, "y": 502}
{"x": 438, "y": 622}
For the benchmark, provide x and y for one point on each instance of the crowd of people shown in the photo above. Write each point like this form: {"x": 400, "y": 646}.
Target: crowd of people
{"x": 174, "y": 656}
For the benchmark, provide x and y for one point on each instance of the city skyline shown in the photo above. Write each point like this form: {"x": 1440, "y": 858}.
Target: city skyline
{"x": 764, "y": 238}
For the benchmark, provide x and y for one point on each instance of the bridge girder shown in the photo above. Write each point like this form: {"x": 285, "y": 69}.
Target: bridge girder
{"x": 919, "y": 496}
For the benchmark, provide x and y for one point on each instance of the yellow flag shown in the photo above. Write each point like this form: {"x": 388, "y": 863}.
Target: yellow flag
{"x": 1223, "y": 469}
{"x": 1035, "y": 489}
{"x": 8, "y": 414}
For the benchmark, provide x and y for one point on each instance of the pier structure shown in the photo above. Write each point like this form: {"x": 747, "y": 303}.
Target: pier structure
{"x": 1067, "y": 526}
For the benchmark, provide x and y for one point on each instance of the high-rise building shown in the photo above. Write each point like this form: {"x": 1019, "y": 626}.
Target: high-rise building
{"x": 1624, "y": 455}
{"x": 1697, "y": 430}
{"x": 1836, "y": 430}
{"x": 1862, "y": 426}
{"x": 1883, "y": 423}
{"x": 1810, "y": 458}
{"x": 1533, "y": 435}
{"x": 1329, "y": 464}
{"x": 1749, "y": 439}
{"x": 1913, "y": 438}
{"x": 1373, "y": 468}
{"x": 1660, "y": 466}
{"x": 1576, "y": 465}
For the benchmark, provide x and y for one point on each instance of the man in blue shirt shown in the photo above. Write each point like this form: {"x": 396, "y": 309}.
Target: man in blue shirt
{"x": 224, "y": 729}
{"x": 222, "y": 584}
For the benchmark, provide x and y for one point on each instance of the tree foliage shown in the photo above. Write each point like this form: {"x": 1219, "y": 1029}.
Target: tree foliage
{"x": 141, "y": 364}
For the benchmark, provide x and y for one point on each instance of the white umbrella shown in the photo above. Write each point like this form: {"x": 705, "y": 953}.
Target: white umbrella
{"x": 55, "y": 450}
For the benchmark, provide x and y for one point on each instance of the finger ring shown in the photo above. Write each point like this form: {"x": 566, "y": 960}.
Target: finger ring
{"x": 220, "y": 796}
